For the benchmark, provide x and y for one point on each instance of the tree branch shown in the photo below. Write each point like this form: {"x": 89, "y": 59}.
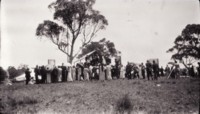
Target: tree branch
{"x": 85, "y": 42}
{"x": 59, "y": 47}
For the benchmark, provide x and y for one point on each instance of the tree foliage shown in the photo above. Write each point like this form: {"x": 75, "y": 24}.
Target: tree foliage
{"x": 73, "y": 19}
{"x": 187, "y": 45}
{"x": 13, "y": 72}
{"x": 3, "y": 74}
{"x": 102, "y": 47}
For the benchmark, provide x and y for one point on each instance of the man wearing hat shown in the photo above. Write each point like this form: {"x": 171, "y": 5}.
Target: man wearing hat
{"x": 27, "y": 75}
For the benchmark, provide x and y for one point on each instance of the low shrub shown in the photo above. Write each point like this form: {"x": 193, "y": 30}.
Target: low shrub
{"x": 124, "y": 105}
{"x": 3, "y": 74}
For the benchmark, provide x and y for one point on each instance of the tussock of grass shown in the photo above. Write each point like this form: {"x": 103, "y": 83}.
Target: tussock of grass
{"x": 124, "y": 105}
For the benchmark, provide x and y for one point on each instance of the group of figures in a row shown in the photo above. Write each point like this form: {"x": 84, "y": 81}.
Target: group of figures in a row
{"x": 96, "y": 67}
{"x": 81, "y": 72}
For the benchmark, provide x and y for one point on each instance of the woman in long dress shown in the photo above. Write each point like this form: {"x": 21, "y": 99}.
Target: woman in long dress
{"x": 59, "y": 74}
{"x": 122, "y": 72}
{"x": 73, "y": 73}
{"x": 49, "y": 70}
{"x": 69, "y": 77}
{"x": 101, "y": 73}
{"x": 108, "y": 72}
{"x": 86, "y": 74}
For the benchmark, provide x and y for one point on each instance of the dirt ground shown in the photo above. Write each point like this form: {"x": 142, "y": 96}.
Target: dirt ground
{"x": 165, "y": 96}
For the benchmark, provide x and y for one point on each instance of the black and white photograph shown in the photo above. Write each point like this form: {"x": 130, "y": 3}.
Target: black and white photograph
{"x": 99, "y": 56}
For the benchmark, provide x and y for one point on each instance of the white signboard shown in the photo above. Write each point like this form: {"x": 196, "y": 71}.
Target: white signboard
{"x": 51, "y": 62}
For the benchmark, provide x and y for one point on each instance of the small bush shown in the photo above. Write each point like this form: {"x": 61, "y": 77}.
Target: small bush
{"x": 124, "y": 105}
{"x": 3, "y": 74}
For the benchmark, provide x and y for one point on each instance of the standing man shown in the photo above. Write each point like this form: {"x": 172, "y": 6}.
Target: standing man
{"x": 167, "y": 70}
{"x": 143, "y": 70}
{"x": 64, "y": 73}
{"x": 128, "y": 70}
{"x": 155, "y": 70}
{"x": 149, "y": 70}
{"x": 43, "y": 74}
{"x": 54, "y": 75}
{"x": 177, "y": 71}
{"x": 192, "y": 73}
{"x": 86, "y": 68}
{"x": 37, "y": 72}
{"x": 27, "y": 75}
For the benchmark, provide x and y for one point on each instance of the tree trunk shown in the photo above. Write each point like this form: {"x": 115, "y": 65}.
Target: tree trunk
{"x": 70, "y": 59}
{"x": 72, "y": 50}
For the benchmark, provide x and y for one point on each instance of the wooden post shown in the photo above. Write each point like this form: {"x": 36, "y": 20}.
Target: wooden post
{"x": 170, "y": 73}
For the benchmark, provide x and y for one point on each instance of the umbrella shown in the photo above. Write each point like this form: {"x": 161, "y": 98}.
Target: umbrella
{"x": 49, "y": 67}
{"x": 173, "y": 63}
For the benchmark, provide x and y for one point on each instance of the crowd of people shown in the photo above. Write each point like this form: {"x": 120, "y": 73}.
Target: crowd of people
{"x": 64, "y": 73}
{"x": 98, "y": 71}
{"x": 149, "y": 71}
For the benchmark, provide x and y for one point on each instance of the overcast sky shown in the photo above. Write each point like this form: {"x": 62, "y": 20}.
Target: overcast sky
{"x": 140, "y": 29}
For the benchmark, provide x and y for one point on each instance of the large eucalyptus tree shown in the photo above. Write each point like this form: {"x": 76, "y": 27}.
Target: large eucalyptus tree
{"x": 73, "y": 20}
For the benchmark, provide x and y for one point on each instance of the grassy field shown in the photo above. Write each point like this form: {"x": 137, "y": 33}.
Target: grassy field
{"x": 165, "y": 96}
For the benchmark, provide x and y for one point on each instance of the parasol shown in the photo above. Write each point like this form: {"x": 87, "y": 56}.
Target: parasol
{"x": 173, "y": 63}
